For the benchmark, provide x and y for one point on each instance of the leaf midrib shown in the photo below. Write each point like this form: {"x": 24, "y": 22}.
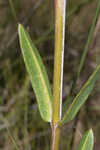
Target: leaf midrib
{"x": 39, "y": 68}
{"x": 80, "y": 92}
{"x": 85, "y": 142}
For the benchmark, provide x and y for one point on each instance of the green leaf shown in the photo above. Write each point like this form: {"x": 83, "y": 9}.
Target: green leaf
{"x": 37, "y": 73}
{"x": 84, "y": 54}
{"x": 81, "y": 97}
{"x": 87, "y": 141}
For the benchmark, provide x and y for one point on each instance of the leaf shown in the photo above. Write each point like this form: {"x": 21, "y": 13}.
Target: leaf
{"x": 37, "y": 73}
{"x": 84, "y": 54}
{"x": 87, "y": 141}
{"x": 81, "y": 97}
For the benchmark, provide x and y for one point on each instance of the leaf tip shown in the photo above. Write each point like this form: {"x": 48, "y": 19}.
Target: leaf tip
{"x": 20, "y": 27}
{"x": 91, "y": 132}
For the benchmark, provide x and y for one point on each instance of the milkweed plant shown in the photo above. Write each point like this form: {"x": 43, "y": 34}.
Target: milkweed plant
{"x": 50, "y": 103}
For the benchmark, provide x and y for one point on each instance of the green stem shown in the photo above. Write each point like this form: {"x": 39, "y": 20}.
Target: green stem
{"x": 60, "y": 6}
{"x": 55, "y": 140}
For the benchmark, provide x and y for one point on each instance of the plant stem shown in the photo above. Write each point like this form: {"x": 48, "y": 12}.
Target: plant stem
{"x": 55, "y": 140}
{"x": 60, "y": 6}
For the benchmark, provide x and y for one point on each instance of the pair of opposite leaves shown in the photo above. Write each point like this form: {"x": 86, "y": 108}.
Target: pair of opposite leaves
{"x": 42, "y": 89}
{"x": 41, "y": 85}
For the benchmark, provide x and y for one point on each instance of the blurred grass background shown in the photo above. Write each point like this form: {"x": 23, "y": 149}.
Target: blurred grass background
{"x": 20, "y": 121}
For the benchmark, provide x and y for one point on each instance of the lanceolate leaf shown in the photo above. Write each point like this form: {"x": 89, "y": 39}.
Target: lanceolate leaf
{"x": 81, "y": 97}
{"x": 87, "y": 141}
{"x": 37, "y": 73}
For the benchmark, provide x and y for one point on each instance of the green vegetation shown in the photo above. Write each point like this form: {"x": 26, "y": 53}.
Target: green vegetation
{"x": 52, "y": 112}
{"x": 29, "y": 101}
